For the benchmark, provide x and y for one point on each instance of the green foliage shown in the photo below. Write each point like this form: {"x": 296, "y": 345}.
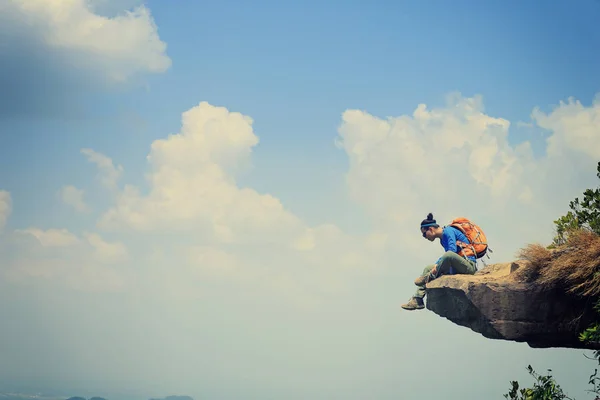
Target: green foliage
{"x": 564, "y": 225}
{"x": 595, "y": 382}
{"x": 585, "y": 214}
{"x": 592, "y": 334}
{"x": 588, "y": 210}
{"x": 544, "y": 388}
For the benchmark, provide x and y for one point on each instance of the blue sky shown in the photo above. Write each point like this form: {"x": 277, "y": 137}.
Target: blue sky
{"x": 308, "y": 74}
{"x": 307, "y": 63}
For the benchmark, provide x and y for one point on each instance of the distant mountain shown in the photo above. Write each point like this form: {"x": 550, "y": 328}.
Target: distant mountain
{"x": 175, "y": 398}
{"x": 83, "y": 398}
{"x": 23, "y": 396}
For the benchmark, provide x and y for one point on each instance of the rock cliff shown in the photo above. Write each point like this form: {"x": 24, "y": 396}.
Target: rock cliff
{"x": 503, "y": 301}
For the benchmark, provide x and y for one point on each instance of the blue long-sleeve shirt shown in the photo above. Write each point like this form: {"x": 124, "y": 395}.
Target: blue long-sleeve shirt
{"x": 448, "y": 241}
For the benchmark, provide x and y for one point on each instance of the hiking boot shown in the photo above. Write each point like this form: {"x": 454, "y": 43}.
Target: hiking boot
{"x": 415, "y": 303}
{"x": 422, "y": 280}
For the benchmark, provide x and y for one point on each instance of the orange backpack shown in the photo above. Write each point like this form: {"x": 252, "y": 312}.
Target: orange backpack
{"x": 478, "y": 246}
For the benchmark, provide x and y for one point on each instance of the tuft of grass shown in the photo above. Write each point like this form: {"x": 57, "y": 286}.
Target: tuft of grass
{"x": 573, "y": 266}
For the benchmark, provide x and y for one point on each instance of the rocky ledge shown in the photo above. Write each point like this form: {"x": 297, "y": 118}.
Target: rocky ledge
{"x": 499, "y": 303}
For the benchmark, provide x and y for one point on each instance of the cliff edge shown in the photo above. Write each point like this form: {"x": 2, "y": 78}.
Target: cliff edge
{"x": 544, "y": 299}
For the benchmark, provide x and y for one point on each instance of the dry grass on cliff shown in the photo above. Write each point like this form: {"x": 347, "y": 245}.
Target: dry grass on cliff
{"x": 574, "y": 266}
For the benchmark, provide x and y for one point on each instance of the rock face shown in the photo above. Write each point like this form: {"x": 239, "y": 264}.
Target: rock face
{"x": 499, "y": 303}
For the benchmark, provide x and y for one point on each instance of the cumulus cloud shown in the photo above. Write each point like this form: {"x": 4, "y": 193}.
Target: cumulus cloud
{"x": 193, "y": 187}
{"x": 52, "y": 51}
{"x": 5, "y": 207}
{"x": 454, "y": 160}
{"x": 575, "y": 128}
{"x": 87, "y": 263}
{"x": 106, "y": 252}
{"x": 51, "y": 237}
{"x": 108, "y": 173}
{"x": 208, "y": 227}
{"x": 452, "y": 152}
{"x": 197, "y": 219}
{"x": 195, "y": 223}
{"x": 73, "y": 197}
{"x": 458, "y": 160}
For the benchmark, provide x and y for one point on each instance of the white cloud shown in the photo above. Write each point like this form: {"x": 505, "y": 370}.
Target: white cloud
{"x": 108, "y": 173}
{"x": 198, "y": 222}
{"x": 73, "y": 197}
{"x": 213, "y": 261}
{"x": 5, "y": 207}
{"x": 457, "y": 160}
{"x": 201, "y": 224}
{"x": 60, "y": 51}
{"x": 51, "y": 237}
{"x": 115, "y": 48}
{"x": 454, "y": 154}
{"x": 452, "y": 161}
{"x": 574, "y": 126}
{"x": 106, "y": 251}
{"x": 192, "y": 185}
{"x": 84, "y": 264}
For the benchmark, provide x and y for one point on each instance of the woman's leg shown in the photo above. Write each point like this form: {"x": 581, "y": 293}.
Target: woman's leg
{"x": 460, "y": 264}
{"x": 420, "y": 293}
